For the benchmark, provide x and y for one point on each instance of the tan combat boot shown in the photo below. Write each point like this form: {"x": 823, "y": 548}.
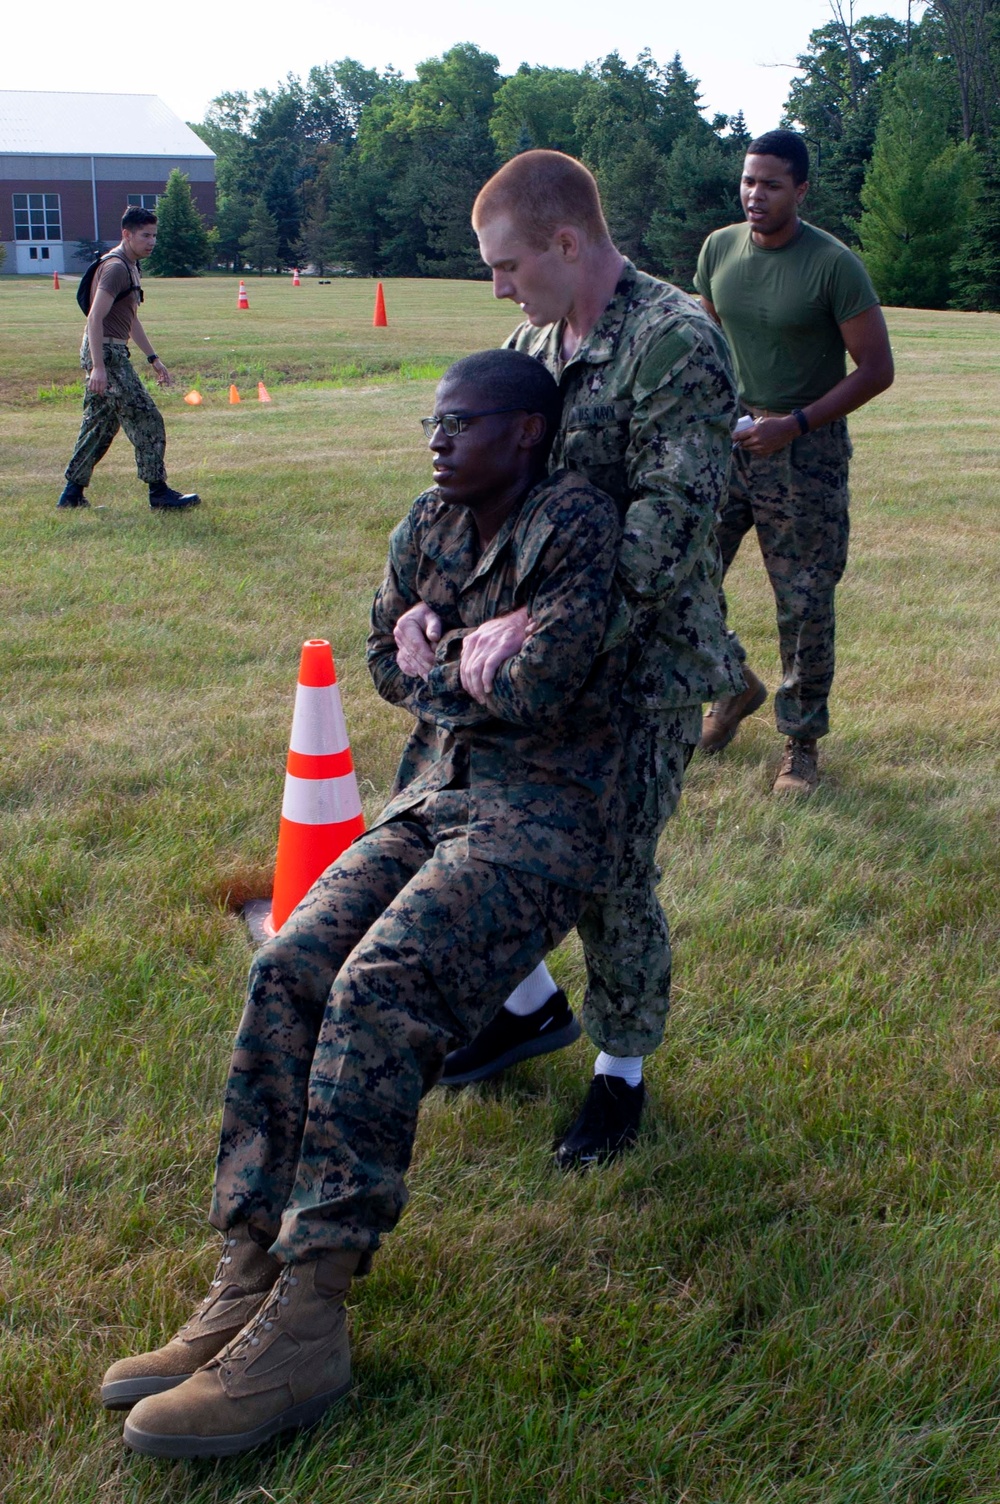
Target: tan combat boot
{"x": 282, "y": 1371}
{"x": 722, "y": 719}
{"x": 242, "y": 1279}
{"x": 799, "y": 773}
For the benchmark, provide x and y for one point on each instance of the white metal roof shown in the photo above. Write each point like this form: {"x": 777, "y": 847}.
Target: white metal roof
{"x": 93, "y": 125}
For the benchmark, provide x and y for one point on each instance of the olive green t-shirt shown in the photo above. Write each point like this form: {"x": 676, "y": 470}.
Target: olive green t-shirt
{"x": 780, "y": 311}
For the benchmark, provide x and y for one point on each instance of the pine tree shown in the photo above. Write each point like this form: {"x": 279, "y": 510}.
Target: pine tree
{"x": 739, "y": 133}
{"x": 917, "y": 192}
{"x": 316, "y": 247}
{"x": 260, "y": 243}
{"x": 181, "y": 237}
{"x": 232, "y": 217}
{"x": 975, "y": 269}
{"x": 359, "y": 215}
{"x": 698, "y": 190}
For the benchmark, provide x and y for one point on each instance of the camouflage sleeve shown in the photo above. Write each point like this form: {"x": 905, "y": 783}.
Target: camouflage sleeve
{"x": 569, "y": 590}
{"x": 396, "y": 594}
{"x": 680, "y": 443}
{"x": 441, "y": 703}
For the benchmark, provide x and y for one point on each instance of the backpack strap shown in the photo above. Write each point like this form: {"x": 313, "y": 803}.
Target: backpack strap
{"x": 132, "y": 287}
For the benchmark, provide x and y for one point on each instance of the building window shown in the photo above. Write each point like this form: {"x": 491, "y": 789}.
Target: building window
{"x": 36, "y": 216}
{"x": 143, "y": 200}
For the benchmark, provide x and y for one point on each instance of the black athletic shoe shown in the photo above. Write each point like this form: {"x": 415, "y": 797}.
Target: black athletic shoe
{"x": 507, "y": 1039}
{"x": 165, "y": 496}
{"x": 72, "y": 496}
{"x": 608, "y": 1123}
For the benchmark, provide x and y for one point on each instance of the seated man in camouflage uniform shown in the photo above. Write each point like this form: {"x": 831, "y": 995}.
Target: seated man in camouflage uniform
{"x": 498, "y": 827}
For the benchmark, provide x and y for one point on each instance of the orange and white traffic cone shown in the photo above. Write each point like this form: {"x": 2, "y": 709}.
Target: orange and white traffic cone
{"x": 193, "y": 398}
{"x": 295, "y": 278}
{"x": 379, "y": 321}
{"x": 234, "y": 395}
{"x": 55, "y": 280}
{"x": 263, "y": 395}
{"x": 321, "y": 810}
{"x": 242, "y": 300}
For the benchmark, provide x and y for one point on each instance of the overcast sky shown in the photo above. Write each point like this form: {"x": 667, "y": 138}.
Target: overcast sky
{"x": 743, "y": 51}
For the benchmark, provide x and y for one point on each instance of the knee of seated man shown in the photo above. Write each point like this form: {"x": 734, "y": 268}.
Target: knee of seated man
{"x": 298, "y": 971}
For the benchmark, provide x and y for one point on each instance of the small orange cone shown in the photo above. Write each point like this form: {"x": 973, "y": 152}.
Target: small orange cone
{"x": 321, "y": 810}
{"x": 234, "y": 395}
{"x": 295, "y": 278}
{"x": 263, "y": 395}
{"x": 55, "y": 280}
{"x": 380, "y": 321}
{"x": 193, "y": 399}
{"x": 242, "y": 300}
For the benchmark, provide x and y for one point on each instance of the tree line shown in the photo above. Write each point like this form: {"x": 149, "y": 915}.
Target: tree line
{"x": 353, "y": 170}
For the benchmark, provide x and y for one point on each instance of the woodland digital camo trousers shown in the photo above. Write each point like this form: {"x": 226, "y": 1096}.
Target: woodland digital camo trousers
{"x": 797, "y": 500}
{"x": 626, "y": 938}
{"x": 126, "y": 404}
{"x": 401, "y": 950}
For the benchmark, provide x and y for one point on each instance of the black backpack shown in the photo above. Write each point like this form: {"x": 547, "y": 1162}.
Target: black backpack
{"x": 85, "y": 287}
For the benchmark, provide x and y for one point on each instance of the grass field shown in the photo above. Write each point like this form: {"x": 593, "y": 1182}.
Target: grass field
{"x": 791, "y": 1291}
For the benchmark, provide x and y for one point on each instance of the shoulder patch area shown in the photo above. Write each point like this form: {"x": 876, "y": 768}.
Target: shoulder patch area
{"x": 675, "y": 345}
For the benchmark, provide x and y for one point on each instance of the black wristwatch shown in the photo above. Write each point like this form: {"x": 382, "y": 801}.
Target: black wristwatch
{"x": 151, "y": 358}
{"x": 801, "y": 420}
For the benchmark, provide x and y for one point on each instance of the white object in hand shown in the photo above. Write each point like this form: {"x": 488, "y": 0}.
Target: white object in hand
{"x": 744, "y": 425}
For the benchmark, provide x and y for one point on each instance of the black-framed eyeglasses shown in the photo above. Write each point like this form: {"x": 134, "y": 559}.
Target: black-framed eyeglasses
{"x": 456, "y": 423}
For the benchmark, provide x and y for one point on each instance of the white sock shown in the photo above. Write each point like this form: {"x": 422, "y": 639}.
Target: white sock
{"x": 627, "y": 1067}
{"x": 535, "y": 990}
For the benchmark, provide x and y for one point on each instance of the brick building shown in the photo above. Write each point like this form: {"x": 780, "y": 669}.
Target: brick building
{"x": 70, "y": 164}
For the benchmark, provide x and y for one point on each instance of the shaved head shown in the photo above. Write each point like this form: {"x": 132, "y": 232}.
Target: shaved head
{"x": 537, "y": 192}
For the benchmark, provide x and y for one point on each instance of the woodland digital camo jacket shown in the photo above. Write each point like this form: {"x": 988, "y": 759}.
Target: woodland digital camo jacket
{"x": 541, "y": 758}
{"x": 649, "y": 405}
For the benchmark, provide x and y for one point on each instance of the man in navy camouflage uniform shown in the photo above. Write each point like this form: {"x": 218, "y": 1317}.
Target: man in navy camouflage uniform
{"x": 115, "y": 397}
{"x": 499, "y": 826}
{"x": 649, "y": 402}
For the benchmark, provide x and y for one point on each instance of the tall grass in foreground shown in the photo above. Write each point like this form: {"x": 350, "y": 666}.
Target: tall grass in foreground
{"x": 791, "y": 1291}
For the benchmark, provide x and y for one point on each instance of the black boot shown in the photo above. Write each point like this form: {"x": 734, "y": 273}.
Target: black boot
{"x": 162, "y": 495}
{"x": 608, "y": 1123}
{"x": 72, "y": 496}
{"x": 508, "y": 1038}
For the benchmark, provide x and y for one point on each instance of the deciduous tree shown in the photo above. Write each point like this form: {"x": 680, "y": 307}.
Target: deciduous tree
{"x": 537, "y": 107}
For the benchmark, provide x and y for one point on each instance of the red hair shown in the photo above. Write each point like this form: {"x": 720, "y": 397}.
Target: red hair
{"x": 539, "y": 191}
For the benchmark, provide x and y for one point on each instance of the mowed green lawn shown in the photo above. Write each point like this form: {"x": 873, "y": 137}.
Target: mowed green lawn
{"x": 791, "y": 1291}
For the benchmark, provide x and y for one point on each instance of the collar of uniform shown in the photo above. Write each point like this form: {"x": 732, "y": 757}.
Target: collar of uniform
{"x": 499, "y": 540}
{"x": 602, "y": 341}
{"x": 453, "y": 533}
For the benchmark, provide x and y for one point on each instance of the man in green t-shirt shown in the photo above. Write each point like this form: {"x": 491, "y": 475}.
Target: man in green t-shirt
{"x": 791, "y": 300}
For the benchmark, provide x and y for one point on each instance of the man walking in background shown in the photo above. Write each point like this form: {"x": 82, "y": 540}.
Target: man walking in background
{"x": 115, "y": 397}
{"x": 791, "y": 299}
{"x": 649, "y": 402}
